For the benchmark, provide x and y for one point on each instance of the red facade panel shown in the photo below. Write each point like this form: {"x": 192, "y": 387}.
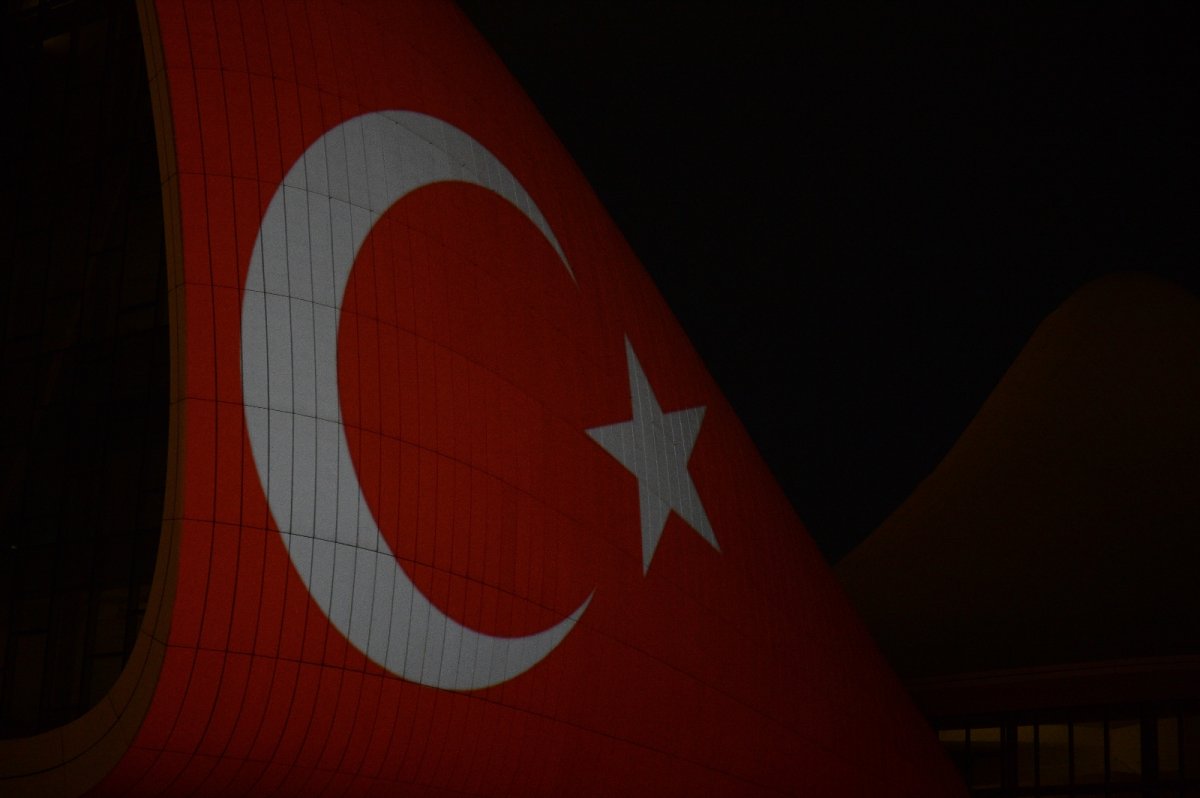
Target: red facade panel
{"x": 462, "y": 511}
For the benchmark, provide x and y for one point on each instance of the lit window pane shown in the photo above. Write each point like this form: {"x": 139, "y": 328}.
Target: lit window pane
{"x": 1026, "y": 761}
{"x": 1125, "y": 750}
{"x": 955, "y": 743}
{"x": 1089, "y": 753}
{"x": 1053, "y": 754}
{"x": 948, "y": 736}
{"x": 985, "y": 757}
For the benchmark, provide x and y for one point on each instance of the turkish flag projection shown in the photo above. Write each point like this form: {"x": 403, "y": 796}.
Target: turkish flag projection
{"x": 459, "y": 510}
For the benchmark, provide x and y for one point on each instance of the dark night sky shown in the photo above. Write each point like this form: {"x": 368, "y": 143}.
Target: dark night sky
{"x": 860, "y": 214}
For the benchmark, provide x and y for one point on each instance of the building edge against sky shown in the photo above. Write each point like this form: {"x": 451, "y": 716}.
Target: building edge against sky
{"x": 1065, "y": 516}
{"x": 584, "y": 574}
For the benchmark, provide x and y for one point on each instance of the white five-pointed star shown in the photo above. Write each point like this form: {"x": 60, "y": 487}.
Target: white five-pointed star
{"x": 655, "y": 446}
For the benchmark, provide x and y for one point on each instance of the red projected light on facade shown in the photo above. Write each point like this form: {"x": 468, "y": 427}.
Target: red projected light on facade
{"x": 455, "y": 507}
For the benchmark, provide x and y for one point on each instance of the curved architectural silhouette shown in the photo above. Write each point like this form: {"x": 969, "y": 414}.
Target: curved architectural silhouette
{"x": 1038, "y": 588}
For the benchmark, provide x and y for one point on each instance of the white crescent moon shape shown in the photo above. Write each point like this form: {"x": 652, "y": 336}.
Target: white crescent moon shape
{"x": 310, "y": 235}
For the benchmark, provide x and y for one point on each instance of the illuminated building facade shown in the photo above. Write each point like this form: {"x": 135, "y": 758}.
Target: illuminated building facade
{"x": 443, "y": 501}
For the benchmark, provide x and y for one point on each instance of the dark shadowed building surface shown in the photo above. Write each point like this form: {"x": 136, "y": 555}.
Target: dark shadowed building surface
{"x": 83, "y": 357}
{"x": 1039, "y": 588}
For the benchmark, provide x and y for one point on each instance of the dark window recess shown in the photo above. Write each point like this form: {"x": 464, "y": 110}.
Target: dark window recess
{"x": 84, "y": 356}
